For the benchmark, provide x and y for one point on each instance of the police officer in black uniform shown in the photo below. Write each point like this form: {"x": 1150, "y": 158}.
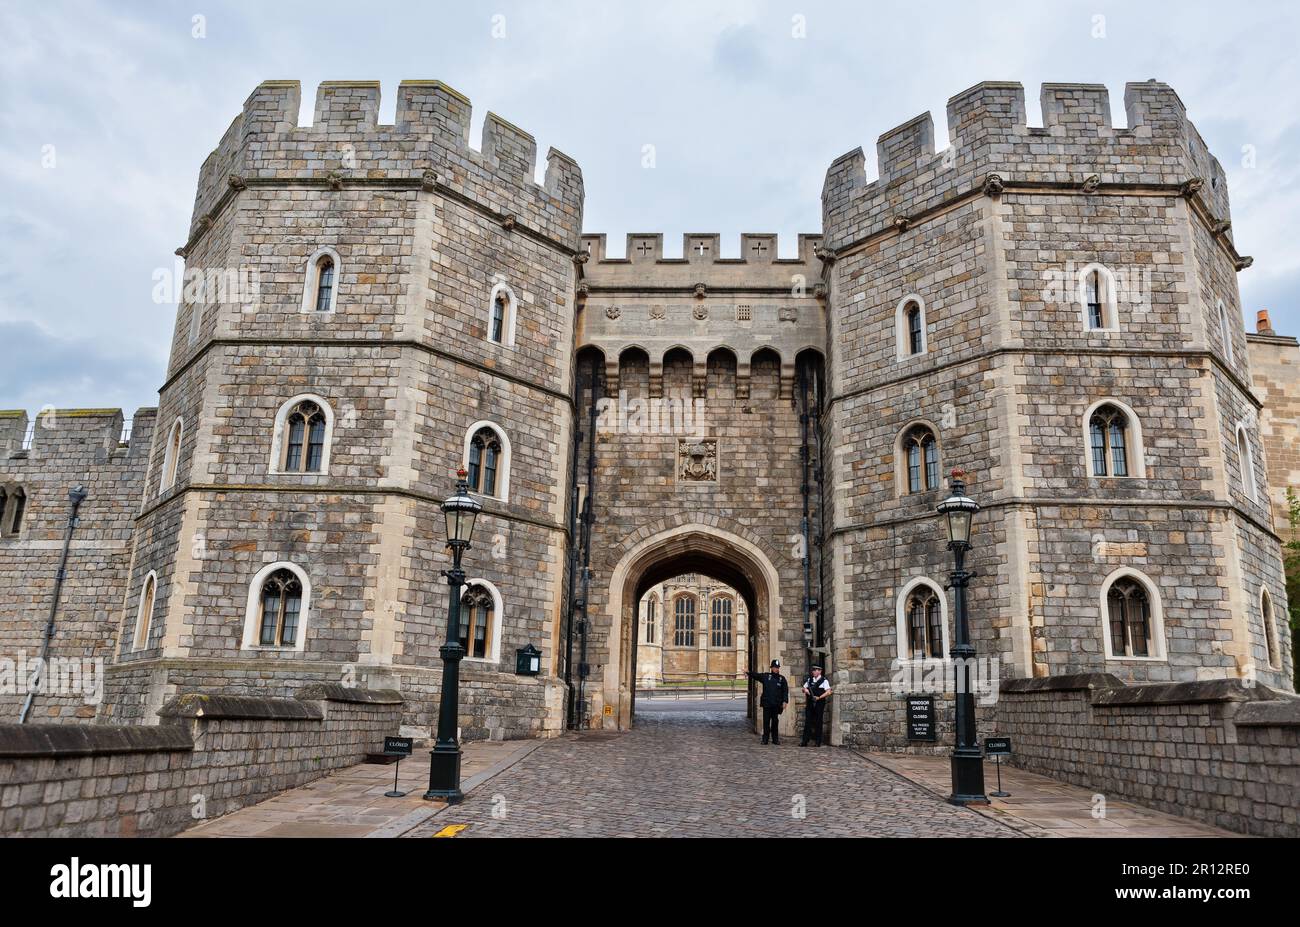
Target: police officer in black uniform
{"x": 774, "y": 698}
{"x": 817, "y": 688}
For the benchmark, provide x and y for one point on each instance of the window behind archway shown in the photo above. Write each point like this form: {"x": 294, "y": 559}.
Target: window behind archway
{"x": 651, "y": 617}
{"x": 924, "y": 614}
{"x": 684, "y": 621}
{"x": 921, "y": 455}
{"x": 1109, "y": 439}
{"x": 477, "y": 613}
{"x": 304, "y": 438}
{"x": 720, "y": 624}
{"x": 280, "y": 609}
{"x": 484, "y": 461}
{"x": 1129, "y": 611}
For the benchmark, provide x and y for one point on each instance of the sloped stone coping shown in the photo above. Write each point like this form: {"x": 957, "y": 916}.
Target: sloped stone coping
{"x": 336, "y": 693}
{"x": 1183, "y": 693}
{"x": 1279, "y": 712}
{"x": 56, "y": 740}
{"x": 201, "y": 705}
{"x": 1075, "y": 682}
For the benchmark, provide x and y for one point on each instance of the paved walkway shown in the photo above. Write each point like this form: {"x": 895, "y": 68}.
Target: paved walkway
{"x": 697, "y": 775}
{"x": 1042, "y": 807}
{"x": 682, "y": 773}
{"x": 351, "y": 801}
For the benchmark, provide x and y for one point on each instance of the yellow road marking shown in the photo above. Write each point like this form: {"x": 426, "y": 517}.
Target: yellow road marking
{"x": 451, "y": 830}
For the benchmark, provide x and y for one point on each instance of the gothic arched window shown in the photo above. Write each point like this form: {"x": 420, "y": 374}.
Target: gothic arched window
{"x": 1246, "y": 463}
{"x": 477, "y": 616}
{"x": 1129, "y": 608}
{"x": 921, "y": 452}
{"x": 1270, "y": 628}
{"x": 281, "y": 609}
{"x": 720, "y": 624}
{"x": 1108, "y": 431}
{"x": 325, "y": 283}
{"x": 13, "y": 506}
{"x": 484, "y": 461}
{"x": 304, "y": 438}
{"x": 684, "y": 621}
{"x": 924, "y": 623}
{"x": 144, "y": 613}
{"x": 1095, "y": 294}
{"x": 914, "y": 330}
{"x": 651, "y": 618}
{"x": 172, "y": 456}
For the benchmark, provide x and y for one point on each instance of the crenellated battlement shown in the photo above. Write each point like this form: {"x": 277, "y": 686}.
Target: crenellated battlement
{"x": 64, "y": 434}
{"x": 426, "y": 147}
{"x": 988, "y": 133}
{"x": 701, "y": 262}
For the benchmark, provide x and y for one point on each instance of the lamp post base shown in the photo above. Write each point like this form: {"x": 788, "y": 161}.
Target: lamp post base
{"x": 444, "y": 775}
{"x": 967, "y": 778}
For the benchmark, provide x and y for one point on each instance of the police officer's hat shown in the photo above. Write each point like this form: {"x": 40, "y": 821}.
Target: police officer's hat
{"x": 776, "y": 663}
{"x": 817, "y": 666}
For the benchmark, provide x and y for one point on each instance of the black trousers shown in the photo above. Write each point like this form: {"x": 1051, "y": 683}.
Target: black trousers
{"x": 770, "y": 718}
{"x": 812, "y": 721}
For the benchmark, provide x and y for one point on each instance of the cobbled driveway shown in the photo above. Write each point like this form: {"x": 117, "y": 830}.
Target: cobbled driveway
{"x": 701, "y": 774}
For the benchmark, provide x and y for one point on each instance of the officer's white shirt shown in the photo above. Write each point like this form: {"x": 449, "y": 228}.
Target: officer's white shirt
{"x": 817, "y": 686}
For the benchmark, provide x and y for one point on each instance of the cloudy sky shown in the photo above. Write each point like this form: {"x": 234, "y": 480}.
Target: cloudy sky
{"x": 108, "y": 109}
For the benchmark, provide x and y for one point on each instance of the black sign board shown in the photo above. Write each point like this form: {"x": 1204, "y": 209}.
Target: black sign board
{"x": 398, "y": 746}
{"x": 920, "y": 718}
{"x": 997, "y": 746}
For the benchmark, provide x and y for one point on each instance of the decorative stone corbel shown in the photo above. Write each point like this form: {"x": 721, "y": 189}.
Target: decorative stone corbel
{"x": 581, "y": 257}
{"x": 206, "y": 221}
{"x": 236, "y": 182}
{"x": 701, "y": 291}
{"x": 1221, "y": 227}
{"x": 1191, "y": 186}
{"x": 1244, "y": 261}
{"x": 182, "y": 252}
{"x": 902, "y": 223}
{"x": 508, "y": 222}
{"x": 993, "y": 184}
{"x": 819, "y": 291}
{"x": 429, "y": 181}
{"x": 1091, "y": 183}
{"x": 825, "y": 255}
{"x": 335, "y": 180}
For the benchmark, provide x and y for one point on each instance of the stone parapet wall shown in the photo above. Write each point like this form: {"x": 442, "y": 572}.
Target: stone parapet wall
{"x": 1217, "y": 751}
{"x": 209, "y": 755}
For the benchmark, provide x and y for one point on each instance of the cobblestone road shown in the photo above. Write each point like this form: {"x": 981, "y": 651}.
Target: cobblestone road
{"x": 701, "y": 774}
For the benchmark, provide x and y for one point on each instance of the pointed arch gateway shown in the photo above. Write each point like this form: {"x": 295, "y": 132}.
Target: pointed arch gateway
{"x": 720, "y": 554}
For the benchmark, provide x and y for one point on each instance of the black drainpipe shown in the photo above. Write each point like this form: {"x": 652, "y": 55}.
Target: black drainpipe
{"x": 76, "y": 496}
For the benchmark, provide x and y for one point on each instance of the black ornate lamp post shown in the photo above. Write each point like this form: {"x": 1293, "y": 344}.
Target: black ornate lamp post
{"x": 460, "y": 511}
{"x": 967, "y": 762}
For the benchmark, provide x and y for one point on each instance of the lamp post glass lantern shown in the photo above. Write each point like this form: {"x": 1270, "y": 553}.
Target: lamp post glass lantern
{"x": 460, "y": 510}
{"x": 957, "y": 512}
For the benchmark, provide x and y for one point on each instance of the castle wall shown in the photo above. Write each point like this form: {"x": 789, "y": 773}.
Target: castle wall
{"x": 991, "y": 234}
{"x": 422, "y": 228}
{"x": 68, "y": 447}
{"x": 1275, "y": 369}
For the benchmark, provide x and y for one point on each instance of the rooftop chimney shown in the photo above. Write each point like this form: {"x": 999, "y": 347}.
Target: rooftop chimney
{"x": 1262, "y": 324}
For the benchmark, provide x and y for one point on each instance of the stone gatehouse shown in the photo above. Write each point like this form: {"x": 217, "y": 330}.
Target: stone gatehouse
{"x": 1052, "y": 309}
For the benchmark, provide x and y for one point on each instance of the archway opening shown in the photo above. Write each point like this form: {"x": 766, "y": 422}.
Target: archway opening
{"x": 726, "y": 568}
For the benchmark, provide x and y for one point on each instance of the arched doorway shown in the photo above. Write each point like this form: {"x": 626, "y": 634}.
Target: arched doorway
{"x": 705, "y": 549}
